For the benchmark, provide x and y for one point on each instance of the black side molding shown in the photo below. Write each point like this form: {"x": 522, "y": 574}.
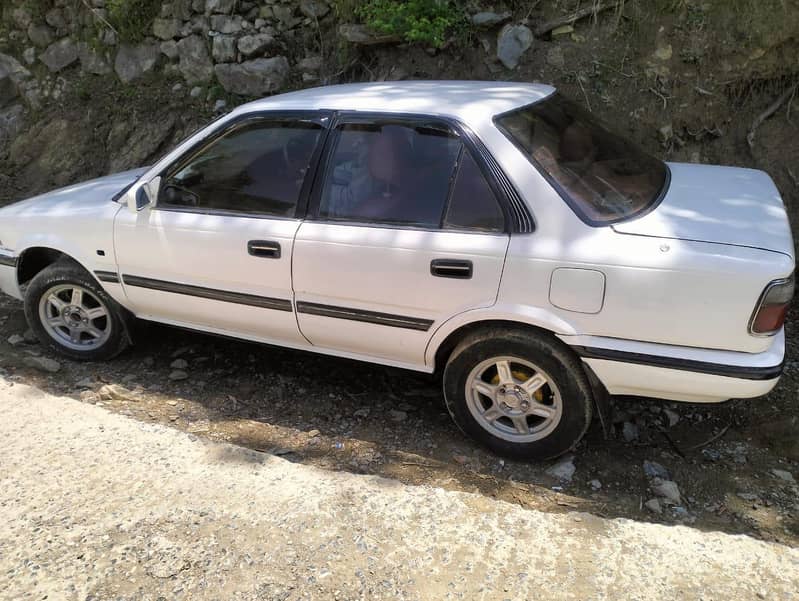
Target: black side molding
{"x": 107, "y": 276}
{"x": 9, "y": 261}
{"x": 383, "y": 319}
{"x": 703, "y": 367}
{"x": 239, "y": 298}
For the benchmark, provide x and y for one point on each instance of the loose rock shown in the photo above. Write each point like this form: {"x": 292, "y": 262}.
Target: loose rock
{"x": 251, "y": 45}
{"x": 15, "y": 340}
{"x": 179, "y": 364}
{"x": 513, "y": 41}
{"x": 564, "y": 469}
{"x": 43, "y": 364}
{"x": 134, "y": 61}
{"x": 315, "y": 9}
{"x": 253, "y": 78}
{"x": 654, "y": 470}
{"x": 629, "y": 432}
{"x": 783, "y": 475}
{"x": 667, "y": 489}
{"x": 195, "y": 64}
{"x": 178, "y": 375}
{"x": 60, "y": 55}
{"x": 654, "y": 506}
{"x": 489, "y": 19}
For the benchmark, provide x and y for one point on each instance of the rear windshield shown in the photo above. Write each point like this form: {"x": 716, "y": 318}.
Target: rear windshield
{"x": 604, "y": 177}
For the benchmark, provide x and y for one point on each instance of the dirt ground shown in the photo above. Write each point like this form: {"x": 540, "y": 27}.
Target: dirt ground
{"x": 342, "y": 415}
{"x": 697, "y": 104}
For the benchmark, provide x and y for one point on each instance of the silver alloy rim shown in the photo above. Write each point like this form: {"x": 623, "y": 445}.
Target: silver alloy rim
{"x": 513, "y": 399}
{"x": 74, "y": 317}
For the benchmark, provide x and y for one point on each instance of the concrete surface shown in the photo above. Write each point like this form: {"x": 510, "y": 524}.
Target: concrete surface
{"x": 98, "y": 506}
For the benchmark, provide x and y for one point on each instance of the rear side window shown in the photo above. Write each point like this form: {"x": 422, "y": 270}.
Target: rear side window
{"x": 401, "y": 173}
{"x": 604, "y": 177}
{"x": 255, "y": 168}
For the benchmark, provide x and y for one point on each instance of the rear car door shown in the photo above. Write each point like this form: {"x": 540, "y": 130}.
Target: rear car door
{"x": 215, "y": 250}
{"x": 406, "y": 231}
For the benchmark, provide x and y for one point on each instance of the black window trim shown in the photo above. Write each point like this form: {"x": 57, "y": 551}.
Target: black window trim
{"x": 518, "y": 219}
{"x": 323, "y": 118}
{"x": 560, "y": 190}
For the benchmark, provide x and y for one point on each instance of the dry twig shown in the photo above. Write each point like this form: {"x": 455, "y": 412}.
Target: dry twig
{"x": 710, "y": 440}
{"x": 99, "y": 15}
{"x": 547, "y": 27}
{"x": 773, "y": 108}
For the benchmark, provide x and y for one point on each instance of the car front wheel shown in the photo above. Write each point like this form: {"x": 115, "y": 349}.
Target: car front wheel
{"x": 69, "y": 312}
{"x": 521, "y": 394}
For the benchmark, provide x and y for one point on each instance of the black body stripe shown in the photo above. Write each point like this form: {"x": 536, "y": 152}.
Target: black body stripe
{"x": 10, "y": 261}
{"x": 383, "y": 319}
{"x": 107, "y": 276}
{"x": 278, "y": 304}
{"x": 714, "y": 369}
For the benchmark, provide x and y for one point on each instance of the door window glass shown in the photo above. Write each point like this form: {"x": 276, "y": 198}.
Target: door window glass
{"x": 473, "y": 204}
{"x": 390, "y": 173}
{"x": 255, "y": 168}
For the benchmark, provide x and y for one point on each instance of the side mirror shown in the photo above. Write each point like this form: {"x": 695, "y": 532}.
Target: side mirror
{"x": 146, "y": 194}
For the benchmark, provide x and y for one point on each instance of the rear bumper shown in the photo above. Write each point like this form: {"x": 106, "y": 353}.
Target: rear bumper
{"x": 680, "y": 373}
{"x": 8, "y": 275}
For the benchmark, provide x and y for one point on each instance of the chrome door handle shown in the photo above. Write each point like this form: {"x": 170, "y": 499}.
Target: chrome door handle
{"x": 459, "y": 269}
{"x": 264, "y": 248}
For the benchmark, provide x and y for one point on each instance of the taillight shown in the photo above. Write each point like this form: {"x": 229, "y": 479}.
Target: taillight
{"x": 770, "y": 312}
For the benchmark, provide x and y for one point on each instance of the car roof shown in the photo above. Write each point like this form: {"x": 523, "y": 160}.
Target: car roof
{"x": 465, "y": 100}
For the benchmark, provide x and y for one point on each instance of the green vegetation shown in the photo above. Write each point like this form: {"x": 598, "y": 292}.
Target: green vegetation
{"x": 419, "y": 21}
{"x": 132, "y": 18}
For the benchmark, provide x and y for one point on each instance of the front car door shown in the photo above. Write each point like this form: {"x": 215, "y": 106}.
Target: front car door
{"x": 406, "y": 231}
{"x": 214, "y": 252}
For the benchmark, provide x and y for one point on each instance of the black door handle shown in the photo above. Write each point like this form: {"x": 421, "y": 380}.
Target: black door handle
{"x": 451, "y": 268}
{"x": 264, "y": 248}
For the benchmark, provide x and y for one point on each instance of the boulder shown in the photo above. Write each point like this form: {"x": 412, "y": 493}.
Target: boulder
{"x": 315, "y": 9}
{"x": 226, "y": 24}
{"x": 513, "y": 41}
{"x": 253, "y": 45}
{"x": 253, "y": 78}
{"x": 8, "y": 87}
{"x": 195, "y": 63}
{"x": 60, "y": 55}
{"x": 92, "y": 61}
{"x": 40, "y": 35}
{"x": 21, "y": 17}
{"x": 310, "y": 64}
{"x": 55, "y": 18}
{"x": 170, "y": 49}
{"x": 181, "y": 9}
{"x": 11, "y": 122}
{"x": 224, "y": 49}
{"x": 489, "y": 19}
{"x": 166, "y": 29}
{"x": 224, "y": 7}
{"x": 362, "y": 35}
{"x": 134, "y": 61}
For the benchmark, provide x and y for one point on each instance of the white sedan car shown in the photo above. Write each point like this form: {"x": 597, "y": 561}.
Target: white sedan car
{"x": 494, "y": 232}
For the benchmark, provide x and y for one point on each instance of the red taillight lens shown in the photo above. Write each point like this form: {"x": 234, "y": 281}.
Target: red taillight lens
{"x": 772, "y": 308}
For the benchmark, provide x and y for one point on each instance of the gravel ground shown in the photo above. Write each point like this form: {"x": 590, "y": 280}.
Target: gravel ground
{"x": 96, "y": 505}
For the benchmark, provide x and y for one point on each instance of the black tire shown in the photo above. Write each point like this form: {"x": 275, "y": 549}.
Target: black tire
{"x": 68, "y": 273}
{"x": 553, "y": 358}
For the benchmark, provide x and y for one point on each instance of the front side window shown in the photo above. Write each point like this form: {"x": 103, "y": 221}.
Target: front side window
{"x": 604, "y": 177}
{"x": 412, "y": 174}
{"x": 256, "y": 167}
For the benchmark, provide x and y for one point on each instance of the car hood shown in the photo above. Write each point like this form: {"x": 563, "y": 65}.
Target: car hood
{"x": 83, "y": 197}
{"x": 724, "y": 205}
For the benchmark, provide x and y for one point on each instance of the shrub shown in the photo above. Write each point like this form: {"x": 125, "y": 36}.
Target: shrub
{"x": 132, "y": 18}
{"x": 421, "y": 21}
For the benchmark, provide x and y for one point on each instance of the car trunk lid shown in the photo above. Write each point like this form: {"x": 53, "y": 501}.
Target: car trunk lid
{"x": 724, "y": 205}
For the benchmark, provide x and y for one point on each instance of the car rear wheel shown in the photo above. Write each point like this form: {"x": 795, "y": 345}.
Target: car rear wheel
{"x": 71, "y": 313}
{"x": 521, "y": 394}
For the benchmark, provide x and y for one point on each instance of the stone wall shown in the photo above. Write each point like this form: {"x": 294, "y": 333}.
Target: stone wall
{"x": 241, "y": 45}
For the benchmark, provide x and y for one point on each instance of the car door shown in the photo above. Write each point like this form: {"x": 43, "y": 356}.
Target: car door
{"x": 406, "y": 231}
{"x": 214, "y": 251}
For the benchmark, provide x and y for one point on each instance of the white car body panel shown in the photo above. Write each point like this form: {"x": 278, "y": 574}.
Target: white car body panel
{"x": 209, "y": 251}
{"x": 679, "y": 283}
{"x": 388, "y": 271}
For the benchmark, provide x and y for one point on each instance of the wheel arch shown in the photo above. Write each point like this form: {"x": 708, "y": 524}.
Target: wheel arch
{"x": 34, "y": 259}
